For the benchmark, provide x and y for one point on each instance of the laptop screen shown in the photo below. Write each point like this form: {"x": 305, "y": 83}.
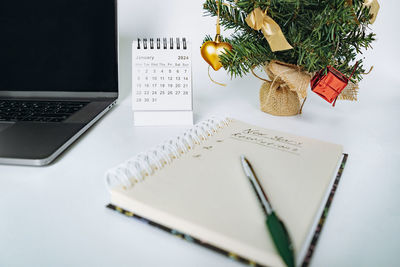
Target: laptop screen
{"x": 58, "y": 45}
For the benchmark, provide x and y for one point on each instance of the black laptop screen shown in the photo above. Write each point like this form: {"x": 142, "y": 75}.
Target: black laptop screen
{"x": 58, "y": 45}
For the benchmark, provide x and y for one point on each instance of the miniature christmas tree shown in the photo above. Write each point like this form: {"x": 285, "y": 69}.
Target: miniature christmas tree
{"x": 319, "y": 33}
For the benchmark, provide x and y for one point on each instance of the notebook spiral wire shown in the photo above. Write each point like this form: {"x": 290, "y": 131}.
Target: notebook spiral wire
{"x": 145, "y": 164}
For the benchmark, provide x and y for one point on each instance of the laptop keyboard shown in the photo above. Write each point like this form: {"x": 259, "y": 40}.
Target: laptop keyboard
{"x": 38, "y": 111}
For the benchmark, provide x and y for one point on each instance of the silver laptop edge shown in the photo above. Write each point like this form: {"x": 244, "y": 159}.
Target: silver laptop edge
{"x": 66, "y": 95}
{"x": 46, "y": 161}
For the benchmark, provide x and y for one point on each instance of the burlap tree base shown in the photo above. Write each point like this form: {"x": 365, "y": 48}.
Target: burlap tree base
{"x": 279, "y": 101}
{"x": 286, "y": 92}
{"x": 281, "y": 96}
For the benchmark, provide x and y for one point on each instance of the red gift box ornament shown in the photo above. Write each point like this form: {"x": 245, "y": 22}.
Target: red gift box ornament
{"x": 330, "y": 85}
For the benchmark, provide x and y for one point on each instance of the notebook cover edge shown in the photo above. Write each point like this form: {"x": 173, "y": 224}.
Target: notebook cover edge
{"x": 324, "y": 215}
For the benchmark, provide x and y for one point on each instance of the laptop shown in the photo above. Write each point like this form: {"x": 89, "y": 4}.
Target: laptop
{"x": 58, "y": 74}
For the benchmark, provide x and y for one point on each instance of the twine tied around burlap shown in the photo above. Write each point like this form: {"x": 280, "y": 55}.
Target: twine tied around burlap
{"x": 280, "y": 96}
{"x": 288, "y": 84}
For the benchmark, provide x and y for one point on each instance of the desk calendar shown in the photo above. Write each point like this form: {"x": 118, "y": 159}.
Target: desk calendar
{"x": 162, "y": 82}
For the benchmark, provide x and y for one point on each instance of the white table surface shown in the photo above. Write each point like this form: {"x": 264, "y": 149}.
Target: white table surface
{"x": 56, "y": 215}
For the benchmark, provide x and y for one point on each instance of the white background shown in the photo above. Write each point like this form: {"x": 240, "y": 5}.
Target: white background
{"x": 55, "y": 216}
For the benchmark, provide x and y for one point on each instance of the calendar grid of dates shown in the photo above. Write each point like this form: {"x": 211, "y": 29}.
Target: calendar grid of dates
{"x": 156, "y": 83}
{"x": 162, "y": 80}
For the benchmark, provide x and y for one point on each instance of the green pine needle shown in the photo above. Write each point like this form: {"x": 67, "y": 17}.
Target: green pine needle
{"x": 322, "y": 32}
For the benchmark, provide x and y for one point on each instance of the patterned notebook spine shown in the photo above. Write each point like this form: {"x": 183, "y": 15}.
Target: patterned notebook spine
{"x": 164, "y": 43}
{"x": 145, "y": 164}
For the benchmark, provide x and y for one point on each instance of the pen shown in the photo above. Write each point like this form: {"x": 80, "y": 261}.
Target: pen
{"x": 275, "y": 226}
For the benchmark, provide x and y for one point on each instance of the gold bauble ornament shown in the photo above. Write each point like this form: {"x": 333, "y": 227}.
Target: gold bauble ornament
{"x": 211, "y": 50}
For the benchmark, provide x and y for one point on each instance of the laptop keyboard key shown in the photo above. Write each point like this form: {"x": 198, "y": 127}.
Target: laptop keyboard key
{"x": 38, "y": 111}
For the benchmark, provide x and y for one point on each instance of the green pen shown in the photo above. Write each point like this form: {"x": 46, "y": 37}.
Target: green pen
{"x": 275, "y": 226}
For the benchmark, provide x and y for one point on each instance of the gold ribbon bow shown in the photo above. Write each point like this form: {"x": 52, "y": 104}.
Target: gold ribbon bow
{"x": 259, "y": 20}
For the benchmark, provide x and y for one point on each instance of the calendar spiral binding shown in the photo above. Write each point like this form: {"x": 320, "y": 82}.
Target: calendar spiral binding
{"x": 145, "y": 164}
{"x": 165, "y": 43}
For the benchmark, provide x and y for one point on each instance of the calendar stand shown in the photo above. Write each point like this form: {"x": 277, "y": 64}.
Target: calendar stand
{"x": 151, "y": 118}
{"x": 162, "y": 82}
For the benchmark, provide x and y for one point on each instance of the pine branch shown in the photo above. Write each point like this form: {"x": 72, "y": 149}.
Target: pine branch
{"x": 322, "y": 32}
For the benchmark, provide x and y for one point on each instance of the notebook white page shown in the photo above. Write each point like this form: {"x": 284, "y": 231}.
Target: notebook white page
{"x": 205, "y": 193}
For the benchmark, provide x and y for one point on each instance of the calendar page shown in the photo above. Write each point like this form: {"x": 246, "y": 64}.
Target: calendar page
{"x": 162, "y": 81}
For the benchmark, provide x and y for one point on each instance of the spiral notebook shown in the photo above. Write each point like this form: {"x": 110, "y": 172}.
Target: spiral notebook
{"x": 162, "y": 81}
{"x": 194, "y": 187}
